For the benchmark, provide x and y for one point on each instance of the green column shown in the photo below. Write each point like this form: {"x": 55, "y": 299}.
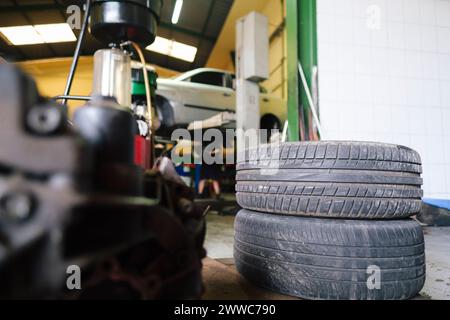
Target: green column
{"x": 292, "y": 9}
{"x": 308, "y": 49}
{"x": 301, "y": 19}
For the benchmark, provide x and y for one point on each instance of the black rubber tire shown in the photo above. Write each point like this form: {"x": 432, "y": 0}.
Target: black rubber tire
{"x": 269, "y": 122}
{"x": 349, "y": 180}
{"x": 328, "y": 258}
{"x": 165, "y": 109}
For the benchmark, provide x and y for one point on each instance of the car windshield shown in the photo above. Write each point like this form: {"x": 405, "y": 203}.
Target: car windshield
{"x": 189, "y": 74}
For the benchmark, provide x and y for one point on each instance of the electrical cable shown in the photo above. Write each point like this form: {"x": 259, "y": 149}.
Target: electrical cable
{"x": 76, "y": 55}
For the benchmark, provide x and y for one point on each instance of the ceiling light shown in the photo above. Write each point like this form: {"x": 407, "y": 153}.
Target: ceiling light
{"x": 22, "y": 35}
{"x": 173, "y": 49}
{"x": 161, "y": 45}
{"x": 177, "y": 11}
{"x": 57, "y": 32}
{"x": 183, "y": 51}
{"x": 41, "y": 33}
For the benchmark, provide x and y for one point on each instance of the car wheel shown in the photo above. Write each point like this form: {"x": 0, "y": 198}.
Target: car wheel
{"x": 165, "y": 112}
{"x": 270, "y": 122}
{"x": 354, "y": 180}
{"x": 330, "y": 258}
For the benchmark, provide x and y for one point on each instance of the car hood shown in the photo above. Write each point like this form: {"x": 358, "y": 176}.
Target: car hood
{"x": 167, "y": 81}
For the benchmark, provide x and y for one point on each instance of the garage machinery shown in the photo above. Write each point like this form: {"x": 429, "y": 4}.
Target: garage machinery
{"x": 82, "y": 215}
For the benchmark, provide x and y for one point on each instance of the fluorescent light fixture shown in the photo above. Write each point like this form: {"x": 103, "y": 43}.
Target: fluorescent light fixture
{"x": 183, "y": 51}
{"x": 177, "y": 11}
{"x": 173, "y": 49}
{"x": 22, "y": 35}
{"x": 42, "y": 33}
{"x": 161, "y": 45}
{"x": 57, "y": 32}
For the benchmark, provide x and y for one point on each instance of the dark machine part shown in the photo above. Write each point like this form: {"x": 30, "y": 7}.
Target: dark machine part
{"x": 109, "y": 127}
{"x": 110, "y": 130}
{"x": 115, "y": 21}
{"x": 134, "y": 236}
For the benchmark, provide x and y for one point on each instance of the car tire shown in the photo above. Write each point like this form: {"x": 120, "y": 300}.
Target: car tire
{"x": 349, "y": 180}
{"x": 166, "y": 111}
{"x": 330, "y": 258}
{"x": 270, "y": 122}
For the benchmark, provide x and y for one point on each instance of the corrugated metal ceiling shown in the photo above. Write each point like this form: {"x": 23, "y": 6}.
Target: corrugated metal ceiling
{"x": 200, "y": 24}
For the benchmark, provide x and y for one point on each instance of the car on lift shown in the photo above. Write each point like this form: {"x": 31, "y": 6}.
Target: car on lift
{"x": 202, "y": 93}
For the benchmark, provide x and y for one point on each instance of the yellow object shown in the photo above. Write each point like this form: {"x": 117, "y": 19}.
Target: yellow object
{"x": 221, "y": 54}
{"x": 51, "y": 76}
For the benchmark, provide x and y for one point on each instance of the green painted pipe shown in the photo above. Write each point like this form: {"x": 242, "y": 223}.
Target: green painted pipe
{"x": 307, "y": 49}
{"x": 293, "y": 76}
{"x": 301, "y": 22}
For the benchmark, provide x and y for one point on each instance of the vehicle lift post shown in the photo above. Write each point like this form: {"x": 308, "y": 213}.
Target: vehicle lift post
{"x": 252, "y": 67}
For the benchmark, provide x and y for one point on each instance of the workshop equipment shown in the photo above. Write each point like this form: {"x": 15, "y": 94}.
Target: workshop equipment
{"x": 73, "y": 194}
{"x": 112, "y": 75}
{"x": 117, "y": 21}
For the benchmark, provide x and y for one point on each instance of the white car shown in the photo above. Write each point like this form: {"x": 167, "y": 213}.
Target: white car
{"x": 202, "y": 93}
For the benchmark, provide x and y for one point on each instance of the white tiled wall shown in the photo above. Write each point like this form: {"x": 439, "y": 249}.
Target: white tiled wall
{"x": 384, "y": 75}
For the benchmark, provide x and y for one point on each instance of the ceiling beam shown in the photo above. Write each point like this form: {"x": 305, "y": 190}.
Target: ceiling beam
{"x": 186, "y": 31}
{"x": 205, "y": 26}
{"x": 32, "y": 7}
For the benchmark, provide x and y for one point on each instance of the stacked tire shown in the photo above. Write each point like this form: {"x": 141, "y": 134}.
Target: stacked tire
{"x": 331, "y": 220}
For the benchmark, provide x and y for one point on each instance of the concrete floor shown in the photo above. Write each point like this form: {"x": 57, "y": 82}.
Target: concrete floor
{"x": 219, "y": 244}
{"x": 437, "y": 252}
{"x": 219, "y": 236}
